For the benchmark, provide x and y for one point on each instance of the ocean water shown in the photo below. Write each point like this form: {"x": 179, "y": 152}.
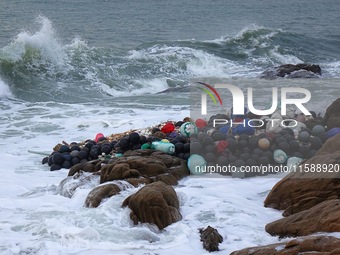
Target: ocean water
{"x": 71, "y": 69}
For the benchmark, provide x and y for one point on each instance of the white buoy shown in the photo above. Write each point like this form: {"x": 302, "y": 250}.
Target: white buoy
{"x": 197, "y": 164}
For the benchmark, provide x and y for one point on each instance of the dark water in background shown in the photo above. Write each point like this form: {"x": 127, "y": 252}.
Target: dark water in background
{"x": 127, "y": 24}
{"x": 70, "y": 50}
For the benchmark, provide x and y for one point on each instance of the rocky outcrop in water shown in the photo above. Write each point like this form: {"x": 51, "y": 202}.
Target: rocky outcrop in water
{"x": 310, "y": 201}
{"x": 135, "y": 168}
{"x": 315, "y": 245}
{"x": 324, "y": 217}
{"x": 210, "y": 238}
{"x": 310, "y": 198}
{"x": 96, "y": 196}
{"x": 155, "y": 203}
{"x": 157, "y": 165}
{"x": 302, "y": 190}
{"x": 293, "y": 71}
{"x": 332, "y": 115}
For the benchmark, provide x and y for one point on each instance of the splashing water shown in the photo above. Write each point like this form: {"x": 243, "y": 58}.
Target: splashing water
{"x": 43, "y": 43}
{"x": 4, "y": 89}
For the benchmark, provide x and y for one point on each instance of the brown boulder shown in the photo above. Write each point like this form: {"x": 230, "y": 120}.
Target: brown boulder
{"x": 302, "y": 190}
{"x": 332, "y": 115}
{"x": 90, "y": 166}
{"x": 324, "y": 217}
{"x": 119, "y": 171}
{"x": 155, "y": 203}
{"x": 148, "y": 166}
{"x": 168, "y": 179}
{"x": 176, "y": 166}
{"x": 167, "y": 159}
{"x": 138, "y": 181}
{"x": 158, "y": 163}
{"x": 314, "y": 245}
{"x": 332, "y": 145}
{"x": 95, "y": 197}
{"x": 180, "y": 171}
{"x": 132, "y": 167}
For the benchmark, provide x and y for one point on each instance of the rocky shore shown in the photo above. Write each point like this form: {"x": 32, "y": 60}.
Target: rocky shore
{"x": 156, "y": 158}
{"x": 309, "y": 201}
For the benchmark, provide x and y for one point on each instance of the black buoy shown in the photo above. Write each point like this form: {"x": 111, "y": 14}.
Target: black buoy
{"x": 58, "y": 158}
{"x": 55, "y": 167}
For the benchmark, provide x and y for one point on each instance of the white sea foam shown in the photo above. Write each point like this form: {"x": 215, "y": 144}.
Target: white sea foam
{"x": 331, "y": 69}
{"x": 203, "y": 65}
{"x": 44, "y": 40}
{"x": 255, "y": 28}
{"x": 189, "y": 62}
{"x": 284, "y": 58}
{"x": 4, "y": 89}
{"x": 251, "y": 28}
{"x": 139, "y": 87}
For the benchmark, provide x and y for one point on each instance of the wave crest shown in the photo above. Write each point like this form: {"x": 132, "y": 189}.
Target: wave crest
{"x": 4, "y": 90}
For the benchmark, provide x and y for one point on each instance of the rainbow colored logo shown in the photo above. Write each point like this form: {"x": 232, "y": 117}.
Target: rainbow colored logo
{"x": 209, "y": 91}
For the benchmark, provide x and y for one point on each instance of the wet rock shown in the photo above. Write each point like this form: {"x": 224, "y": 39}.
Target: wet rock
{"x": 158, "y": 163}
{"x": 95, "y": 197}
{"x": 168, "y": 179}
{"x": 119, "y": 171}
{"x": 155, "y": 203}
{"x": 89, "y": 166}
{"x": 324, "y": 217}
{"x": 138, "y": 181}
{"x": 316, "y": 245}
{"x": 332, "y": 115}
{"x": 302, "y": 190}
{"x": 293, "y": 71}
{"x": 131, "y": 168}
{"x": 210, "y": 238}
{"x": 140, "y": 153}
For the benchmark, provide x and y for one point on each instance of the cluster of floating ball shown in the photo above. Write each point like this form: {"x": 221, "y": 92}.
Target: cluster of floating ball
{"x": 199, "y": 144}
{"x": 171, "y": 138}
{"x": 69, "y": 155}
{"x": 217, "y": 147}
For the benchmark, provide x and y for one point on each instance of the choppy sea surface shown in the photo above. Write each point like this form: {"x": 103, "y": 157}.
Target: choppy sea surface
{"x": 71, "y": 69}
